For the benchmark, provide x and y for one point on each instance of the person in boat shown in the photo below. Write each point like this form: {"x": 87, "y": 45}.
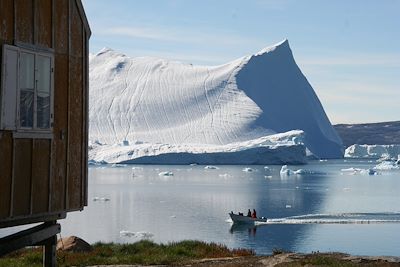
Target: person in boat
{"x": 254, "y": 214}
{"x": 249, "y": 213}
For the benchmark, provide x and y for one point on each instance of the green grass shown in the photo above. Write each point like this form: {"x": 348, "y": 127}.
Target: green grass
{"x": 142, "y": 252}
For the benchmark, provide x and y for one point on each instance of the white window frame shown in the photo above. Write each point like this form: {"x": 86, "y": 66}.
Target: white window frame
{"x": 13, "y": 109}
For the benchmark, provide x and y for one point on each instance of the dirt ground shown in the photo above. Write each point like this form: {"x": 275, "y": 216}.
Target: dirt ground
{"x": 292, "y": 259}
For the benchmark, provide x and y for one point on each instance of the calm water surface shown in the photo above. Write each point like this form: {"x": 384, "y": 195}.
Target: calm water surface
{"x": 194, "y": 204}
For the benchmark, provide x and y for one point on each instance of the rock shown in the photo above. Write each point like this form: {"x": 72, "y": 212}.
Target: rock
{"x": 74, "y": 244}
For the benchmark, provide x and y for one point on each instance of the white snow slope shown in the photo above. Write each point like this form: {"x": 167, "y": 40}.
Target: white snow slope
{"x": 156, "y": 101}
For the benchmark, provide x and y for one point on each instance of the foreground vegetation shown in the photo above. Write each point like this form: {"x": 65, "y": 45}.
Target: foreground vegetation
{"x": 335, "y": 260}
{"x": 142, "y": 252}
{"x": 195, "y": 253}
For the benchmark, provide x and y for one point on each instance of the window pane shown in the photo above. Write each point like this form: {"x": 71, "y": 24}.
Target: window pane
{"x": 43, "y": 110}
{"x": 26, "y": 71}
{"x": 26, "y": 108}
{"x": 43, "y": 74}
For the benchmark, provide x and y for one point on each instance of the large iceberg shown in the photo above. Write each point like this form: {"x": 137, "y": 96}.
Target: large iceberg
{"x": 164, "y": 110}
{"x": 373, "y": 151}
{"x": 273, "y": 149}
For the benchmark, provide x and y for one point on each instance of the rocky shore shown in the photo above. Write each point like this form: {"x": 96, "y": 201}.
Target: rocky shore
{"x": 290, "y": 259}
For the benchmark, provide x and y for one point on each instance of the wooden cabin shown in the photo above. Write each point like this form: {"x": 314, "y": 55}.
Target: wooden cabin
{"x": 44, "y": 110}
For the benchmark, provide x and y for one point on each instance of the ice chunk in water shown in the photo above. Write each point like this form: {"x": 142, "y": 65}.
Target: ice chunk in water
{"x": 166, "y": 173}
{"x": 139, "y": 235}
{"x": 209, "y": 167}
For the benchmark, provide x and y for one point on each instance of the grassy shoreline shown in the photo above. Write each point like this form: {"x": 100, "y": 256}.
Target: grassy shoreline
{"x": 193, "y": 253}
{"x": 143, "y": 252}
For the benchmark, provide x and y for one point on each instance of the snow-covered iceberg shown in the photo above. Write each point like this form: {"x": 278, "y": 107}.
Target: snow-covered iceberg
{"x": 274, "y": 149}
{"x": 151, "y": 105}
{"x": 373, "y": 151}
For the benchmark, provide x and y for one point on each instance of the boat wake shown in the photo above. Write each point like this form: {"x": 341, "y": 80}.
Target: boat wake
{"x": 338, "y": 218}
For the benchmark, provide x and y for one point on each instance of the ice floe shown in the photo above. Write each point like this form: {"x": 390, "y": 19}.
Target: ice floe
{"x": 209, "y": 167}
{"x": 353, "y": 171}
{"x": 105, "y": 199}
{"x": 118, "y": 165}
{"x": 166, "y": 173}
{"x": 285, "y": 171}
{"x": 138, "y": 235}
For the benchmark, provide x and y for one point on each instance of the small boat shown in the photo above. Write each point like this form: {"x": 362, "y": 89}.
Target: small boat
{"x": 245, "y": 219}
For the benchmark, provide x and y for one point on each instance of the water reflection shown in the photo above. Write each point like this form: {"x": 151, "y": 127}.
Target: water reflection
{"x": 193, "y": 203}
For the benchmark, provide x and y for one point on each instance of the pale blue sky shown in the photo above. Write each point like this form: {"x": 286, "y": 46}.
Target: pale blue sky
{"x": 348, "y": 50}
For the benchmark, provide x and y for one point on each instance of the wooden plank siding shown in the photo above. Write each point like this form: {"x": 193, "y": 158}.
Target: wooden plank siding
{"x": 61, "y": 84}
{"x": 6, "y": 148}
{"x": 22, "y": 174}
{"x": 59, "y": 144}
{"x": 45, "y": 177}
{"x": 43, "y": 23}
{"x": 76, "y": 109}
{"x": 6, "y": 141}
{"x": 24, "y": 11}
{"x": 40, "y": 176}
{"x": 6, "y": 15}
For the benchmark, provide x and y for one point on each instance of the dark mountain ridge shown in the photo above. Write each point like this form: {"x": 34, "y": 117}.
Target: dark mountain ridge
{"x": 381, "y": 133}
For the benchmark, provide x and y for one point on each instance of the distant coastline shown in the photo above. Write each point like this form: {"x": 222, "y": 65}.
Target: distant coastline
{"x": 381, "y": 133}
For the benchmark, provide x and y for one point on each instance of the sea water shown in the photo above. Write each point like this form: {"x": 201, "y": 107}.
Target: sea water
{"x": 325, "y": 207}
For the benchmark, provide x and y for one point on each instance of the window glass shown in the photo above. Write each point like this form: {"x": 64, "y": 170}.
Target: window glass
{"x": 27, "y": 71}
{"x": 34, "y": 82}
{"x": 43, "y": 74}
{"x": 26, "y": 108}
{"x": 43, "y": 110}
{"x": 43, "y": 67}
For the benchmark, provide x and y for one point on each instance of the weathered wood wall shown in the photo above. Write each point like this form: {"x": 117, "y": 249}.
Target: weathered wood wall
{"x": 40, "y": 178}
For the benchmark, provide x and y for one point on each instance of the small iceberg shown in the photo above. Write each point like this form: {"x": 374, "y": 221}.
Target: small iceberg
{"x": 139, "y": 235}
{"x": 105, "y": 199}
{"x": 96, "y": 163}
{"x": 387, "y": 166}
{"x": 267, "y": 171}
{"x": 209, "y": 167}
{"x": 166, "y": 173}
{"x": 353, "y": 171}
{"x": 248, "y": 170}
{"x": 118, "y": 165}
{"x": 285, "y": 171}
{"x": 303, "y": 171}
{"x": 137, "y": 168}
